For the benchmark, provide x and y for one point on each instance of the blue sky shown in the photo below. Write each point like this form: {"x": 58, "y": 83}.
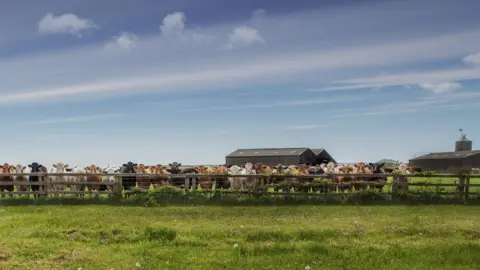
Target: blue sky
{"x": 89, "y": 82}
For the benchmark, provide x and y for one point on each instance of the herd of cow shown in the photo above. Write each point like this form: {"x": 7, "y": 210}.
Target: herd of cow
{"x": 206, "y": 177}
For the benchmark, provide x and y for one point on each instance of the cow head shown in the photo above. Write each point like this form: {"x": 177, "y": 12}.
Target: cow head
{"x": 93, "y": 169}
{"x": 129, "y": 167}
{"x": 175, "y": 167}
{"x": 6, "y": 168}
{"x": 18, "y": 168}
{"x": 60, "y": 166}
{"x": 35, "y": 167}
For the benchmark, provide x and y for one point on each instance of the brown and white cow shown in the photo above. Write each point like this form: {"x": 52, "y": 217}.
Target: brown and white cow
{"x": 19, "y": 169}
{"x": 93, "y": 178}
{"x": 205, "y": 182}
{"x": 6, "y": 169}
{"x": 143, "y": 181}
{"x": 56, "y": 181}
{"x": 164, "y": 179}
{"x": 361, "y": 168}
{"x": 400, "y": 179}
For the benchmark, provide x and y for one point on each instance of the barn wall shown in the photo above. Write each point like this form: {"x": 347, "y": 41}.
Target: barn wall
{"x": 446, "y": 165}
{"x": 270, "y": 161}
{"x": 472, "y": 161}
{"x": 323, "y": 157}
{"x": 307, "y": 157}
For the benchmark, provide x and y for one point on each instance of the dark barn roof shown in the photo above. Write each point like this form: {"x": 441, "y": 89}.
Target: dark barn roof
{"x": 268, "y": 152}
{"x": 448, "y": 155}
{"x": 322, "y": 153}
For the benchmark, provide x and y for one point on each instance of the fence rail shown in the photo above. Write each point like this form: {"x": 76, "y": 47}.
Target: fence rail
{"x": 51, "y": 184}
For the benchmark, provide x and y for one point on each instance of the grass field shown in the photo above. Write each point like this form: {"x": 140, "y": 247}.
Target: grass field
{"x": 329, "y": 237}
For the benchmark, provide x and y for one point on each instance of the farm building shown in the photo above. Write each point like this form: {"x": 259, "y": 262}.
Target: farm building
{"x": 323, "y": 156}
{"x": 450, "y": 162}
{"x": 272, "y": 156}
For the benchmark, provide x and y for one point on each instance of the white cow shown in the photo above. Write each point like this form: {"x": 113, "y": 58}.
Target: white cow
{"x": 18, "y": 169}
{"x": 251, "y": 183}
{"x": 111, "y": 178}
{"x": 236, "y": 183}
{"x": 76, "y": 179}
{"x": 57, "y": 168}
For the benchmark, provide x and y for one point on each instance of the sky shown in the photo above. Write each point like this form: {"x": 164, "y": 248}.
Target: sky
{"x": 107, "y": 82}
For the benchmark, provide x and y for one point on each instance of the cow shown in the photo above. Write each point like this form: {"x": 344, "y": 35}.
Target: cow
{"x": 345, "y": 181}
{"x": 180, "y": 181}
{"x": 143, "y": 181}
{"x": 60, "y": 167}
{"x": 6, "y": 169}
{"x": 361, "y": 168}
{"x": 377, "y": 168}
{"x": 300, "y": 170}
{"x": 77, "y": 180}
{"x": 160, "y": 180}
{"x": 20, "y": 169}
{"x": 278, "y": 173}
{"x": 236, "y": 183}
{"x": 37, "y": 168}
{"x": 220, "y": 181}
{"x": 128, "y": 181}
{"x": 400, "y": 179}
{"x": 251, "y": 183}
{"x": 205, "y": 182}
{"x": 266, "y": 173}
{"x": 110, "y": 178}
{"x": 94, "y": 180}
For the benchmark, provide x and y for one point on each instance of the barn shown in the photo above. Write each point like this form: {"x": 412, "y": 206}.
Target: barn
{"x": 272, "y": 156}
{"x": 322, "y": 156}
{"x": 450, "y": 162}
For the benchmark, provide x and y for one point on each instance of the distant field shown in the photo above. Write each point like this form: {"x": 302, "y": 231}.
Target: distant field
{"x": 329, "y": 237}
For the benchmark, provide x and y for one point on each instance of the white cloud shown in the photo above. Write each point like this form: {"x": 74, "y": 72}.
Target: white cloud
{"x": 441, "y": 88}
{"x": 64, "y": 24}
{"x": 173, "y": 24}
{"x": 473, "y": 59}
{"x": 125, "y": 41}
{"x": 307, "y": 127}
{"x": 163, "y": 64}
{"x": 437, "y": 79}
{"x": 72, "y": 119}
{"x": 244, "y": 36}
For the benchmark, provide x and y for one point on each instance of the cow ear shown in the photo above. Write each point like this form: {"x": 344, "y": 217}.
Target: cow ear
{"x": 65, "y": 166}
{"x": 30, "y": 166}
{"x": 170, "y": 164}
{"x": 124, "y": 165}
{"x": 55, "y": 165}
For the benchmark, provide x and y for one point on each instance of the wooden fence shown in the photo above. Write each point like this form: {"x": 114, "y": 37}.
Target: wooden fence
{"x": 309, "y": 185}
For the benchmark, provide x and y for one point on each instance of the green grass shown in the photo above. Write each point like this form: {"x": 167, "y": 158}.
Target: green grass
{"x": 201, "y": 237}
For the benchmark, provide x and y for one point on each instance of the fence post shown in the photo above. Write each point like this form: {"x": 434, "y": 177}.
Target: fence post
{"x": 461, "y": 185}
{"x": 117, "y": 187}
{"x": 187, "y": 184}
{"x": 194, "y": 184}
{"x": 467, "y": 187}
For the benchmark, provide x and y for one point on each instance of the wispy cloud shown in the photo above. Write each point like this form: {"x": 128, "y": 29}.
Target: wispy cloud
{"x": 430, "y": 103}
{"x": 307, "y": 127}
{"x": 67, "y": 23}
{"x": 188, "y": 66}
{"x": 473, "y": 59}
{"x": 72, "y": 119}
{"x": 291, "y": 103}
{"x": 125, "y": 41}
{"x": 437, "y": 81}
